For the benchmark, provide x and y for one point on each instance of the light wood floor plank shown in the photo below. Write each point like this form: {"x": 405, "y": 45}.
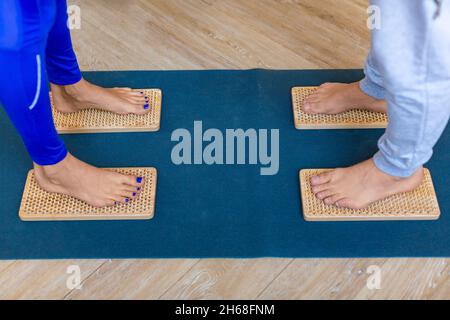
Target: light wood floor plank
{"x": 133, "y": 279}
{"x": 347, "y": 279}
{"x": 227, "y": 279}
{"x": 41, "y": 279}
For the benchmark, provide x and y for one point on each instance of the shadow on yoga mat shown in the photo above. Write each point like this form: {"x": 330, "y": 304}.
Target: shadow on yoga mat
{"x": 220, "y": 210}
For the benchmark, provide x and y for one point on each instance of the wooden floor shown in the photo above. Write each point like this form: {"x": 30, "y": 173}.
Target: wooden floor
{"x": 201, "y": 34}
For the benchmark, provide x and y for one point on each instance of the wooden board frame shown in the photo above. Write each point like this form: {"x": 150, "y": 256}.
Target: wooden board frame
{"x": 353, "y": 119}
{"x": 100, "y": 121}
{"x": 40, "y": 205}
{"x": 419, "y": 204}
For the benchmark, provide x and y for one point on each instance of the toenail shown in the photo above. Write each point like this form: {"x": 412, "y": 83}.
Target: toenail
{"x": 146, "y": 106}
{"x": 139, "y": 188}
{"x": 134, "y": 194}
{"x": 139, "y": 179}
{"x": 126, "y": 200}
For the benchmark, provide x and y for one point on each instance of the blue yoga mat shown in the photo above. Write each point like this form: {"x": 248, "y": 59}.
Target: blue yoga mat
{"x": 220, "y": 210}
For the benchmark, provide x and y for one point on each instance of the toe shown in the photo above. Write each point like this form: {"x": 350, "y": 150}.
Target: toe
{"x": 139, "y": 100}
{"x": 138, "y": 93}
{"x": 321, "y": 178}
{"x": 349, "y": 204}
{"x": 309, "y": 107}
{"x": 139, "y": 109}
{"x": 313, "y": 96}
{"x": 132, "y": 181}
{"x": 324, "y": 194}
{"x": 332, "y": 199}
{"x": 131, "y": 189}
{"x": 127, "y": 194}
{"x": 320, "y": 188}
{"x": 123, "y": 200}
{"x": 118, "y": 199}
{"x": 136, "y": 100}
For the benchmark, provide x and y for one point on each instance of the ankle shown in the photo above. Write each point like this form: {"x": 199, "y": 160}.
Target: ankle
{"x": 77, "y": 90}
{"x": 53, "y": 172}
{"x": 415, "y": 178}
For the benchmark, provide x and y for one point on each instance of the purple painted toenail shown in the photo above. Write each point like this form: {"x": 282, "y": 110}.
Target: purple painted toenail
{"x": 146, "y": 106}
{"x": 126, "y": 200}
{"x": 134, "y": 194}
{"x": 139, "y": 179}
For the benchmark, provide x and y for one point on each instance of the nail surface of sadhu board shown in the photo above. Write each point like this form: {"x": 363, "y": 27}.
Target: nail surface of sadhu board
{"x": 353, "y": 119}
{"x": 40, "y": 205}
{"x": 419, "y": 204}
{"x": 91, "y": 120}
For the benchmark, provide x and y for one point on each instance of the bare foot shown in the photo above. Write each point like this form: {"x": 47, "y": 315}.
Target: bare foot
{"x": 97, "y": 187}
{"x": 358, "y": 186}
{"x": 83, "y": 95}
{"x": 333, "y": 98}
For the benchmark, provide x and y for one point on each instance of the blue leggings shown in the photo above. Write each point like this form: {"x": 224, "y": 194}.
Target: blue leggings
{"x": 35, "y": 47}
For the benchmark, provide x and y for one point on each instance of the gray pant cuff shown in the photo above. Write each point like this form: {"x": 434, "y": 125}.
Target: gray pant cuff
{"x": 372, "y": 89}
{"x": 382, "y": 163}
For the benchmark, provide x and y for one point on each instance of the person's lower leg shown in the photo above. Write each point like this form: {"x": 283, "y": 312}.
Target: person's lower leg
{"x": 417, "y": 86}
{"x": 25, "y": 98}
{"x": 70, "y": 92}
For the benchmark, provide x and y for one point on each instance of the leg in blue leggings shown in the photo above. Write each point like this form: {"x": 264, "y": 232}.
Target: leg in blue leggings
{"x": 70, "y": 91}
{"x": 24, "y": 26}
{"x": 61, "y": 62}
{"x": 35, "y": 46}
{"x": 409, "y": 67}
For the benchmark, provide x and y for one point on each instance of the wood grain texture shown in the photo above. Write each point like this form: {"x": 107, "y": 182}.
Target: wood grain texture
{"x": 227, "y": 279}
{"x": 347, "y": 279}
{"x": 40, "y": 279}
{"x": 233, "y": 34}
{"x": 133, "y": 279}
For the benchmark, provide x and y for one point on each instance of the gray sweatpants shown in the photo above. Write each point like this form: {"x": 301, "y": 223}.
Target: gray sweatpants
{"x": 409, "y": 67}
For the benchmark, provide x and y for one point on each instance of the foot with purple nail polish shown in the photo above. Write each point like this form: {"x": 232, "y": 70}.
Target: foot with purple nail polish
{"x": 83, "y": 94}
{"x": 97, "y": 187}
